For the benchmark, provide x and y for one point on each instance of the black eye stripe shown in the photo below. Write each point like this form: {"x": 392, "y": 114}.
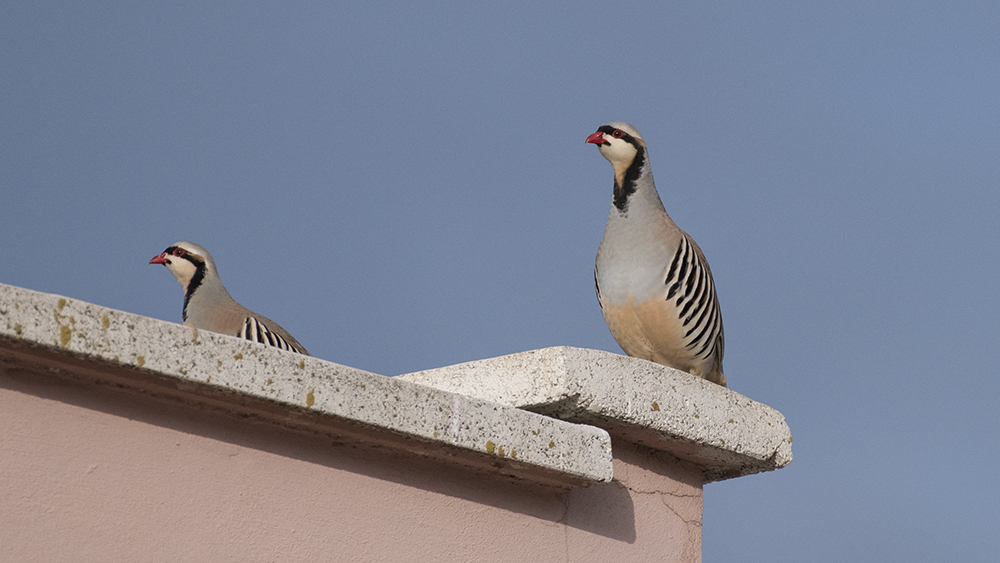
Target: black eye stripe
{"x": 178, "y": 252}
{"x": 617, "y": 134}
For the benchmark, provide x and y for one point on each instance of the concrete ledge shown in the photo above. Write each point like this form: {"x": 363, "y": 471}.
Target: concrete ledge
{"x": 724, "y": 433}
{"x": 44, "y": 333}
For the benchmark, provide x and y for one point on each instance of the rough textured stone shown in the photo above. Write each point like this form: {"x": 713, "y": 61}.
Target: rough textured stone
{"x": 721, "y": 431}
{"x": 98, "y": 345}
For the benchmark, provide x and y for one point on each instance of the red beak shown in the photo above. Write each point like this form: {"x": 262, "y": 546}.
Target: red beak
{"x": 160, "y": 258}
{"x": 598, "y": 139}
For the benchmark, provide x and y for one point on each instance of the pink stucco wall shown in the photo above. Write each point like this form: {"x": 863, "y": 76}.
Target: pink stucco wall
{"x": 92, "y": 473}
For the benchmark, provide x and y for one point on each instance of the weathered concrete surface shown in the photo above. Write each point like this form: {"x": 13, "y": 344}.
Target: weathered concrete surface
{"x": 722, "y": 432}
{"x": 95, "y": 345}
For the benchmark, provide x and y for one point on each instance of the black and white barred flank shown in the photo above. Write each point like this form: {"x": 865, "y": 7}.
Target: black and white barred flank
{"x": 690, "y": 280}
{"x": 256, "y": 331}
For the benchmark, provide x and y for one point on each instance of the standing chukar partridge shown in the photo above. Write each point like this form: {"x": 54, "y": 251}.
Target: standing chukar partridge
{"x": 653, "y": 283}
{"x": 207, "y": 304}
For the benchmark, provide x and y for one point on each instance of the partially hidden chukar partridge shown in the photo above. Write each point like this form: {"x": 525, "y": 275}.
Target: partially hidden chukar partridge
{"x": 653, "y": 282}
{"x": 207, "y": 304}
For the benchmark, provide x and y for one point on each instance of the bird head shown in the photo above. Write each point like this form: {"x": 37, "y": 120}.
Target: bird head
{"x": 619, "y": 143}
{"x": 185, "y": 260}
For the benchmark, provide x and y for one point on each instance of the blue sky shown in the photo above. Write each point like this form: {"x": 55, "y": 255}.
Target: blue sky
{"x": 406, "y": 186}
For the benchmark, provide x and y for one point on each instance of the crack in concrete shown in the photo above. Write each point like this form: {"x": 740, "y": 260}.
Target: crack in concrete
{"x": 658, "y": 492}
{"x": 696, "y": 522}
{"x": 565, "y": 528}
{"x": 663, "y": 498}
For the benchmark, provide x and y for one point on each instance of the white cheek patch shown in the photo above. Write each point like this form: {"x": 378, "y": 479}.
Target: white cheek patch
{"x": 620, "y": 154}
{"x": 181, "y": 269}
{"x": 618, "y": 151}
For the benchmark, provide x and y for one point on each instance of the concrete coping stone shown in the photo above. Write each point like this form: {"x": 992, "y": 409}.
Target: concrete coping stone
{"x": 86, "y": 342}
{"x": 723, "y": 432}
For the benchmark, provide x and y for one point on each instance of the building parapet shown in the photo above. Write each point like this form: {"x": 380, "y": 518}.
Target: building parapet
{"x": 55, "y": 335}
{"x": 722, "y": 432}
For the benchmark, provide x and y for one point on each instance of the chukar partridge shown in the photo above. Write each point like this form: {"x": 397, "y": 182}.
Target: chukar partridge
{"x": 653, "y": 282}
{"x": 207, "y": 304}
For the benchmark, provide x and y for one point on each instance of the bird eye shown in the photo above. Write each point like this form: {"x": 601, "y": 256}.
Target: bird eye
{"x": 179, "y": 252}
{"x": 618, "y": 134}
